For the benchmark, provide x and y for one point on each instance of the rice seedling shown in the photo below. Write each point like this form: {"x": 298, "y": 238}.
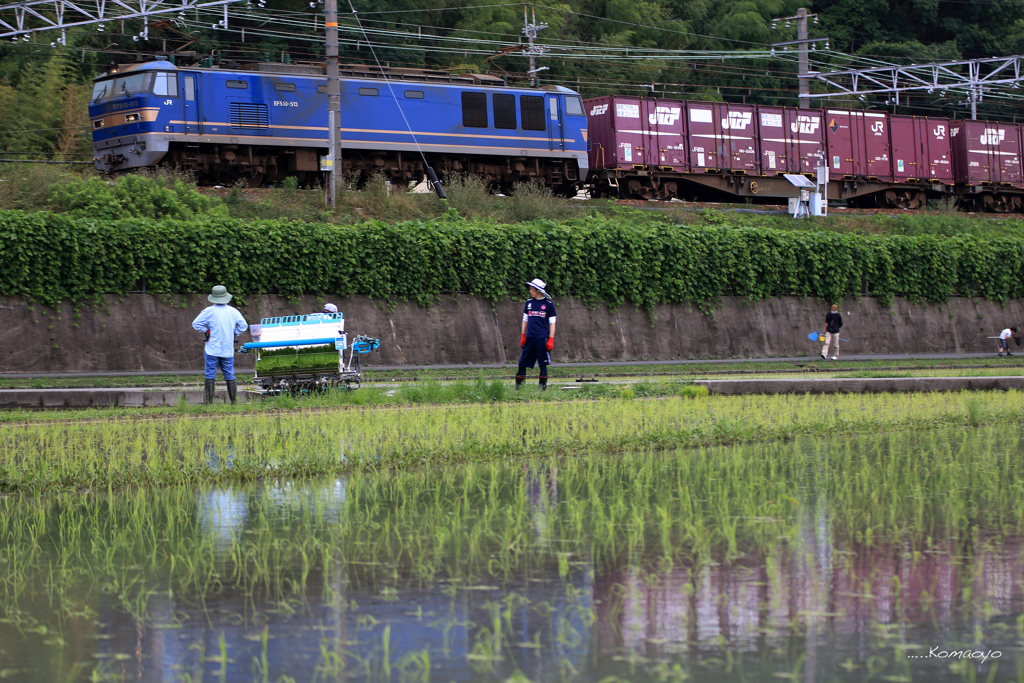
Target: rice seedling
{"x": 118, "y": 453}
{"x": 605, "y": 564}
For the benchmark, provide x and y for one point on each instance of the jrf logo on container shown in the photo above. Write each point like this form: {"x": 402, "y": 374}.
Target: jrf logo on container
{"x": 664, "y": 116}
{"x": 992, "y": 136}
{"x": 737, "y": 120}
{"x": 805, "y": 124}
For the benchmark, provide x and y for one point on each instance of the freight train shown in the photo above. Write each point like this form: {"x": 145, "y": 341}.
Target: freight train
{"x": 660, "y": 149}
{"x": 262, "y": 122}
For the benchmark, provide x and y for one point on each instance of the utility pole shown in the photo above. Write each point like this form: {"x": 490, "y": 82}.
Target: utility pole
{"x": 533, "y": 51}
{"x": 333, "y": 98}
{"x": 801, "y": 35}
{"x": 801, "y": 42}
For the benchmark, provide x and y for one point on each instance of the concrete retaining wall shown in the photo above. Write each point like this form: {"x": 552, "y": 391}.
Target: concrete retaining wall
{"x": 141, "y": 332}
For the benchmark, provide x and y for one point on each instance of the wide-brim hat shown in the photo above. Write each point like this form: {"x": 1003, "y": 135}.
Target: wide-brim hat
{"x": 540, "y": 286}
{"x": 219, "y": 295}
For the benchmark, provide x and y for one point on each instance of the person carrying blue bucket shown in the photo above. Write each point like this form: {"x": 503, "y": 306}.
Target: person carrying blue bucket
{"x": 537, "y": 337}
{"x": 221, "y": 324}
{"x": 833, "y": 323}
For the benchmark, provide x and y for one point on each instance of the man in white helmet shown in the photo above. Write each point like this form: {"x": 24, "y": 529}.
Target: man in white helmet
{"x": 537, "y": 337}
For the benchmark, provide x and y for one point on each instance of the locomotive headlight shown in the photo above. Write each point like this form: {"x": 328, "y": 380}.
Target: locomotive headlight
{"x": 98, "y": 123}
{"x": 131, "y": 118}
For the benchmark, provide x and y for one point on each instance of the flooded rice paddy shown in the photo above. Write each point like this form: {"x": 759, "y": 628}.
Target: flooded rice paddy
{"x": 892, "y": 557}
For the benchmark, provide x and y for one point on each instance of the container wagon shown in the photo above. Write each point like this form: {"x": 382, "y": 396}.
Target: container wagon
{"x": 660, "y": 149}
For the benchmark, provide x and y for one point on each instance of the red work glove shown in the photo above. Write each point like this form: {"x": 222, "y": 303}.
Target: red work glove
{"x": 551, "y": 343}
{"x": 522, "y": 341}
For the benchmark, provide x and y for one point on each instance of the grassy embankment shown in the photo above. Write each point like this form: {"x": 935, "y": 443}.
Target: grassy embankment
{"x": 35, "y": 188}
{"x": 113, "y": 453}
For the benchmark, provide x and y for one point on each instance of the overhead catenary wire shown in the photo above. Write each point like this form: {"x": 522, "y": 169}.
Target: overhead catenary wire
{"x": 587, "y": 53}
{"x": 430, "y": 171}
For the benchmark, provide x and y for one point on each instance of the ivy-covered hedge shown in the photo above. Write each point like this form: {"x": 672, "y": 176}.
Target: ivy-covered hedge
{"x": 51, "y": 257}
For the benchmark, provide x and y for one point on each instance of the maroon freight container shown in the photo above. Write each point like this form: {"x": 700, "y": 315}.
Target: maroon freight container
{"x": 921, "y": 149}
{"x": 666, "y": 128}
{"x": 723, "y": 137}
{"x": 858, "y": 144}
{"x": 986, "y": 153}
{"x": 792, "y": 140}
{"x": 633, "y": 132}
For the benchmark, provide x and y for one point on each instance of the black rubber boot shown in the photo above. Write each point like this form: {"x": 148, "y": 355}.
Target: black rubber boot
{"x": 543, "y": 383}
{"x": 519, "y": 381}
{"x": 232, "y": 390}
{"x": 209, "y": 387}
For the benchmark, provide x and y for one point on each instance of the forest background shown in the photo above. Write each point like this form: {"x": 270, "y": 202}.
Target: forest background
{"x": 686, "y": 49}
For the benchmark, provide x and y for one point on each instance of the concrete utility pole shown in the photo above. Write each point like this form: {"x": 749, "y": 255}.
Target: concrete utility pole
{"x": 802, "y": 41}
{"x": 801, "y": 35}
{"x": 530, "y": 30}
{"x": 333, "y": 98}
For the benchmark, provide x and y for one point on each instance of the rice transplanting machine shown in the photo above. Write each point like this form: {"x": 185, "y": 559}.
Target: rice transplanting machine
{"x": 306, "y": 353}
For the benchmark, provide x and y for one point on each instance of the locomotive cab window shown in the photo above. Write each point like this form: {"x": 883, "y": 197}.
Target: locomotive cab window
{"x": 123, "y": 86}
{"x": 166, "y": 84}
{"x": 284, "y": 87}
{"x": 414, "y": 94}
{"x": 239, "y": 85}
{"x": 474, "y": 110}
{"x": 573, "y": 106}
{"x": 369, "y": 92}
{"x": 504, "y": 111}
{"x": 531, "y": 110}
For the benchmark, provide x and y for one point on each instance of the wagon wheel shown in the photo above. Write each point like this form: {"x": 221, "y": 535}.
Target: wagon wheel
{"x": 919, "y": 200}
{"x": 669, "y": 190}
{"x": 633, "y": 188}
{"x": 253, "y": 180}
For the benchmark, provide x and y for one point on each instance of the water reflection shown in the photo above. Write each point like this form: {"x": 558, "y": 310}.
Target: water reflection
{"x": 365, "y": 580}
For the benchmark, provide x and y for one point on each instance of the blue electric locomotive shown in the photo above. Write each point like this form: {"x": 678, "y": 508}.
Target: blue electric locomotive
{"x": 264, "y": 122}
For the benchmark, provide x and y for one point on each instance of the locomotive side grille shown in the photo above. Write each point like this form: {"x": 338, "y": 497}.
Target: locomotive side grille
{"x": 246, "y": 115}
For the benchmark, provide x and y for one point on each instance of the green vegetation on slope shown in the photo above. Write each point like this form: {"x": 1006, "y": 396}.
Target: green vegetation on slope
{"x": 52, "y": 257}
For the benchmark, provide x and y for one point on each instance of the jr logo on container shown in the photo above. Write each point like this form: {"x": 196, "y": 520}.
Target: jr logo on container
{"x": 599, "y": 109}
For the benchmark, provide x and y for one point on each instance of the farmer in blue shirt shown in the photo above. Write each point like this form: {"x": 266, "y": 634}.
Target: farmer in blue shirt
{"x": 221, "y": 323}
{"x": 537, "y": 338}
